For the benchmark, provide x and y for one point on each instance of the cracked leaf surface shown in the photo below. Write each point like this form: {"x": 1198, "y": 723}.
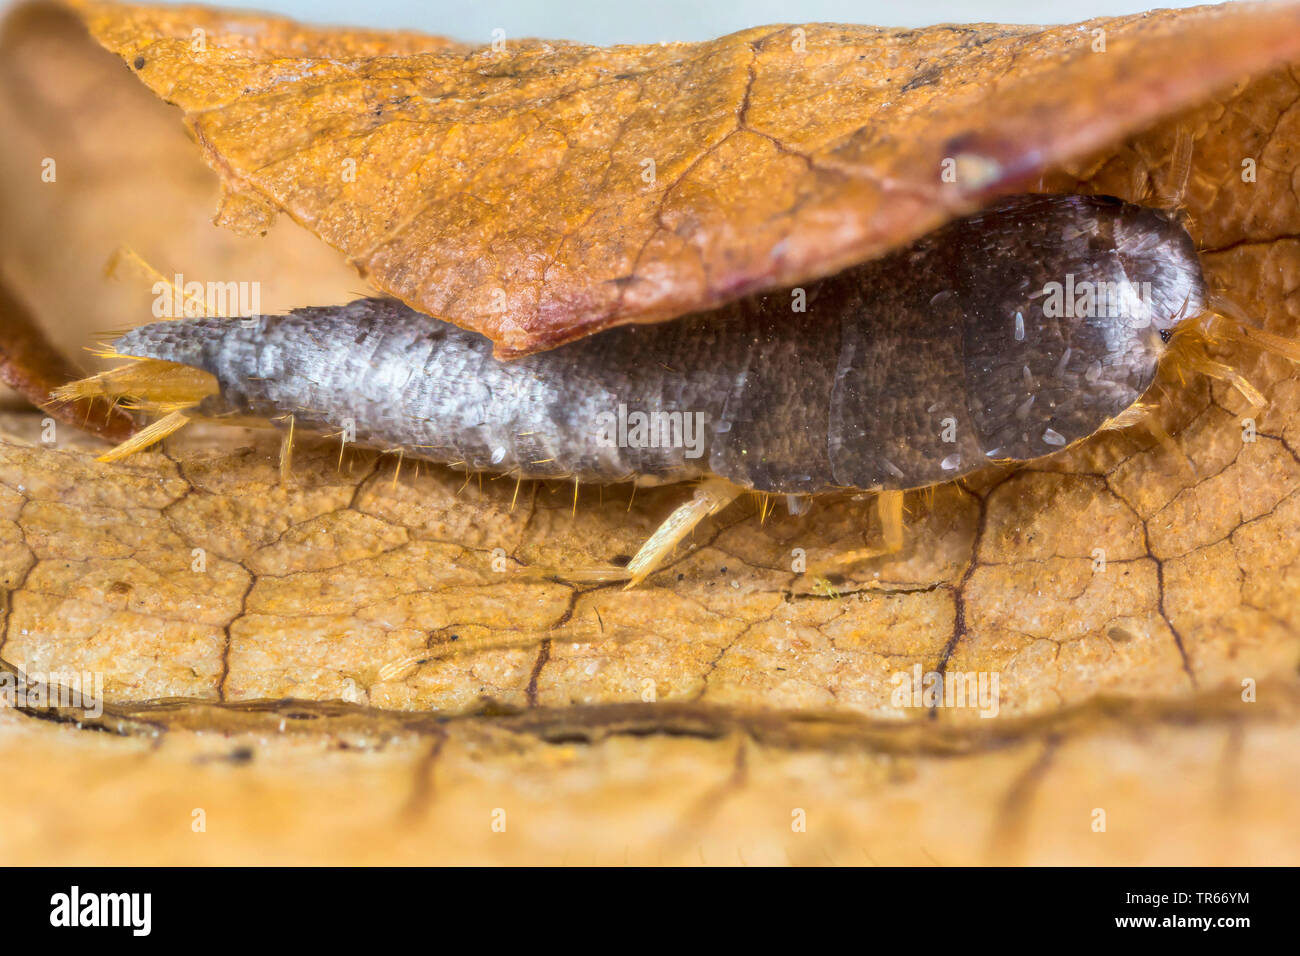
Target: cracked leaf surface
{"x": 1118, "y": 687}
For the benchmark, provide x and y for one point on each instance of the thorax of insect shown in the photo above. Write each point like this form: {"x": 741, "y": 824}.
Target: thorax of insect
{"x": 1004, "y": 336}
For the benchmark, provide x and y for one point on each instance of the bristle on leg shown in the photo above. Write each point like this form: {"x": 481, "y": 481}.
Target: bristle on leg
{"x": 1228, "y": 320}
{"x": 161, "y": 388}
{"x": 1187, "y": 353}
{"x": 889, "y": 508}
{"x": 711, "y": 496}
{"x": 286, "y": 454}
{"x": 145, "y": 437}
{"x": 149, "y": 384}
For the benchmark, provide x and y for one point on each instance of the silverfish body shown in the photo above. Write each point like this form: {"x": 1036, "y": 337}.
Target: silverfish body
{"x": 908, "y": 370}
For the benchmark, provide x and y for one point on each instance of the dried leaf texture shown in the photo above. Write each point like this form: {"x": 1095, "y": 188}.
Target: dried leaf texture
{"x": 539, "y": 191}
{"x": 1140, "y": 615}
{"x": 32, "y": 366}
{"x": 125, "y": 174}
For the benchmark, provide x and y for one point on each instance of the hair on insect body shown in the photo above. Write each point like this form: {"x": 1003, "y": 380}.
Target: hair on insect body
{"x": 1004, "y": 336}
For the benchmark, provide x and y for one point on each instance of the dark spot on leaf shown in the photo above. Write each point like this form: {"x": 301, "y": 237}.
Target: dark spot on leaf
{"x": 924, "y": 78}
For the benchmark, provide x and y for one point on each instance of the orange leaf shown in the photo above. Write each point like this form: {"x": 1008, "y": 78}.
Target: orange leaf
{"x": 543, "y": 191}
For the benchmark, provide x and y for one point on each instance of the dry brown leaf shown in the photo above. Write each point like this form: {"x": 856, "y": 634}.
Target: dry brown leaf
{"x": 543, "y": 191}
{"x": 126, "y": 175}
{"x": 32, "y": 366}
{"x": 1120, "y": 689}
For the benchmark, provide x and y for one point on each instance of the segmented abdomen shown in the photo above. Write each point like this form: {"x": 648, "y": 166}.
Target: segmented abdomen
{"x": 912, "y": 369}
